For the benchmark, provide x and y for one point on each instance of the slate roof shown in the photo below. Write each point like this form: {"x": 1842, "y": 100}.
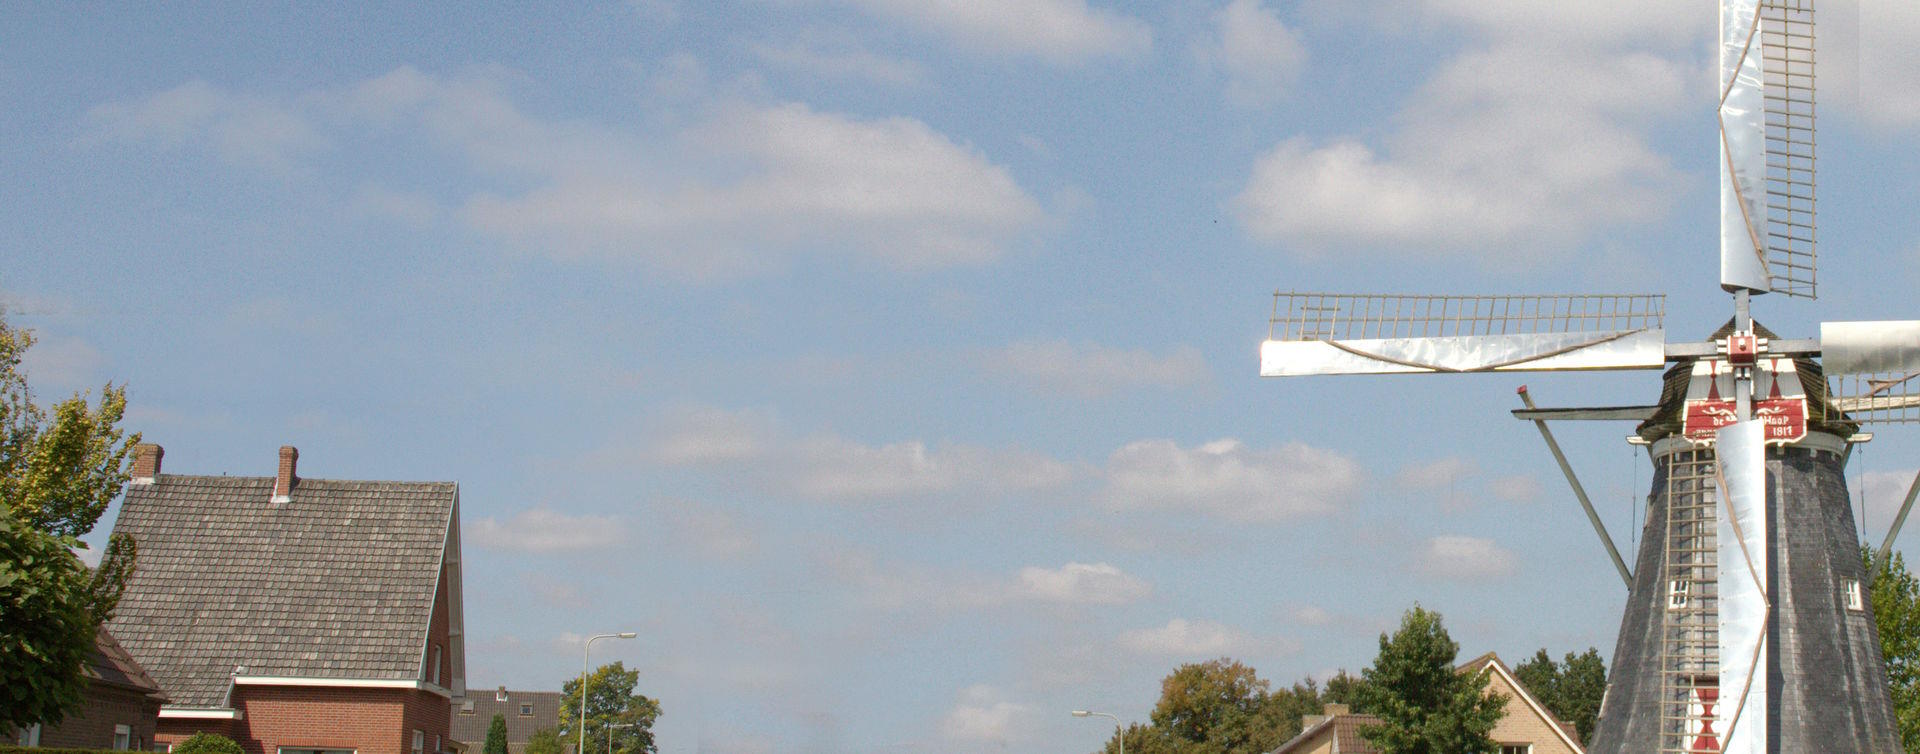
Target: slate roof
{"x": 472, "y": 715}
{"x": 111, "y": 665}
{"x": 337, "y": 583}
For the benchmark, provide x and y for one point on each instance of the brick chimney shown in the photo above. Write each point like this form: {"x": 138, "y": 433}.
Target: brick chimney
{"x": 146, "y": 462}
{"x": 285, "y": 479}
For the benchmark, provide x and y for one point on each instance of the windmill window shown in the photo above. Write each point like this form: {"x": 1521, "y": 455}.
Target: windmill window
{"x": 1851, "y": 587}
{"x": 1677, "y": 594}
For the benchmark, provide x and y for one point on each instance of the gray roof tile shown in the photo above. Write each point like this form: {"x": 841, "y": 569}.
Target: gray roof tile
{"x": 337, "y": 583}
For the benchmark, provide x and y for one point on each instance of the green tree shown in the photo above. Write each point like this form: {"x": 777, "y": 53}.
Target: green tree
{"x": 59, "y": 469}
{"x": 1895, "y": 596}
{"x": 1425, "y": 707}
{"x": 1572, "y": 689}
{"x": 208, "y": 743}
{"x": 545, "y": 741}
{"x": 610, "y": 701}
{"x": 1221, "y": 707}
{"x": 496, "y": 736}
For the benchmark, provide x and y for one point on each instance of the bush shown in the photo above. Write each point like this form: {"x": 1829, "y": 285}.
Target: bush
{"x": 207, "y": 743}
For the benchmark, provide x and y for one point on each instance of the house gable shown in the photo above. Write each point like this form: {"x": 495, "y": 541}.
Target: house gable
{"x": 338, "y": 584}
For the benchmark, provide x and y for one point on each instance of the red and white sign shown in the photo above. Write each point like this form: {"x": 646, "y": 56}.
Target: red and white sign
{"x": 1778, "y": 400}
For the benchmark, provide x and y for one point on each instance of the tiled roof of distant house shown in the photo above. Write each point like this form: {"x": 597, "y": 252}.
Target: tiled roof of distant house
{"x": 336, "y": 581}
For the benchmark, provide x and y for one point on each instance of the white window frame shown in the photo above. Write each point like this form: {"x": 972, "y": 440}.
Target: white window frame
{"x": 1677, "y": 594}
{"x": 419, "y": 741}
{"x": 1516, "y": 748}
{"x": 1851, "y": 589}
{"x": 122, "y": 737}
{"x": 312, "y": 750}
{"x": 30, "y": 735}
{"x": 434, "y": 671}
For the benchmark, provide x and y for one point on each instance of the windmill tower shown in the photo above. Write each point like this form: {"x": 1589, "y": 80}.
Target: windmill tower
{"x": 1746, "y": 628}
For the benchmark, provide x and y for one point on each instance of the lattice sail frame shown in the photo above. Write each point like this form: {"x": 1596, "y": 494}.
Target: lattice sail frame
{"x": 1767, "y": 136}
{"x": 1360, "y": 333}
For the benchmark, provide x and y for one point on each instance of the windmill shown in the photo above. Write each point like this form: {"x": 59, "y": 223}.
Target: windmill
{"x": 1745, "y": 627}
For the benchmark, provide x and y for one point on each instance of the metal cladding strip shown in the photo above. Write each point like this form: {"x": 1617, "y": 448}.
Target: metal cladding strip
{"x": 1743, "y": 149}
{"x": 1870, "y": 347}
{"x": 1741, "y": 534}
{"x": 1614, "y": 349}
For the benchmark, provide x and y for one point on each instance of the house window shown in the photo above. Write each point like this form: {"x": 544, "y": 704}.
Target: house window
{"x": 1677, "y": 594}
{"x": 1852, "y": 589}
{"x": 435, "y": 669}
{"x": 1516, "y": 748}
{"x": 526, "y": 710}
{"x": 466, "y": 707}
{"x": 285, "y": 750}
{"x": 122, "y": 738}
{"x": 419, "y": 741}
{"x": 30, "y": 735}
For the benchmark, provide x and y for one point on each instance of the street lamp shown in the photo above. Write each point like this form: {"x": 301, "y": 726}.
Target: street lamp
{"x": 586, "y": 672}
{"x": 610, "y": 727}
{"x": 1122, "y": 737}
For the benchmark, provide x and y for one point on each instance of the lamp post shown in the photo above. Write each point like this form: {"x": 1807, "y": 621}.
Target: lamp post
{"x": 610, "y": 727}
{"x": 586, "y": 672}
{"x": 1122, "y": 737}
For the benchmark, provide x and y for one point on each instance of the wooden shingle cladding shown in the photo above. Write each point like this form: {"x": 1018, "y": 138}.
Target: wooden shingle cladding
{"x": 339, "y": 584}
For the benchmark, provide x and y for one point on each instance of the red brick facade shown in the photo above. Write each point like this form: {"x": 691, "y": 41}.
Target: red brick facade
{"x": 91, "y": 726}
{"x": 368, "y": 721}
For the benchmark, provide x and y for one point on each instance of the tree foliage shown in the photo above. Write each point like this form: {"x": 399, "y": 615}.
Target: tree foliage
{"x": 1571, "y": 689}
{"x": 1424, "y": 705}
{"x": 208, "y": 743}
{"x": 610, "y": 701}
{"x": 1895, "y": 596}
{"x": 1223, "y": 707}
{"x": 496, "y": 736}
{"x": 59, "y": 469}
{"x": 545, "y": 741}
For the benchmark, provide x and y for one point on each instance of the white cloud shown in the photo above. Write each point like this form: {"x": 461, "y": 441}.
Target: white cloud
{"x": 825, "y": 57}
{"x": 1515, "y": 489}
{"x": 1063, "y": 32}
{"x": 1080, "y": 584}
{"x": 742, "y": 189}
{"x": 1309, "y": 615}
{"x": 1445, "y": 472}
{"x": 712, "y": 533}
{"x": 704, "y": 435}
{"x": 1460, "y": 558}
{"x": 542, "y": 530}
{"x": 834, "y": 468}
{"x": 1192, "y": 638}
{"x": 1229, "y": 479}
{"x": 982, "y": 717}
{"x": 1512, "y": 153}
{"x": 242, "y": 130}
{"x": 1883, "y": 492}
{"x": 412, "y": 209}
{"x": 1583, "y": 24}
{"x": 1889, "y": 65}
{"x": 1260, "y": 56}
{"x": 1091, "y": 370}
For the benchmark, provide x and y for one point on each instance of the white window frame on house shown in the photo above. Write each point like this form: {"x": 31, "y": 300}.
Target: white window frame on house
{"x": 1516, "y": 748}
{"x": 311, "y": 750}
{"x": 1851, "y": 588}
{"x": 435, "y": 669}
{"x": 122, "y": 737}
{"x": 30, "y": 735}
{"x": 419, "y": 741}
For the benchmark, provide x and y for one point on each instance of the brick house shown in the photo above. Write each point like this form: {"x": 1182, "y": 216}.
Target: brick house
{"x": 118, "y": 710}
{"x": 524, "y": 711}
{"x": 1527, "y": 727}
{"x": 296, "y": 616}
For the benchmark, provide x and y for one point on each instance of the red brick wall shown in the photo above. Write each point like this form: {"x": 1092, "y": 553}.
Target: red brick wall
{"x": 369, "y": 721}
{"x": 91, "y": 726}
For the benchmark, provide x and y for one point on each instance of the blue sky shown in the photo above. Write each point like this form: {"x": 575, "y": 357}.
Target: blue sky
{"x": 889, "y": 366}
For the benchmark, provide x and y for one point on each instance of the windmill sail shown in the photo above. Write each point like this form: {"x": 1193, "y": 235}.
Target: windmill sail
{"x": 1873, "y": 369}
{"x": 1339, "y": 333}
{"x": 1744, "y": 603}
{"x": 1767, "y": 146}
